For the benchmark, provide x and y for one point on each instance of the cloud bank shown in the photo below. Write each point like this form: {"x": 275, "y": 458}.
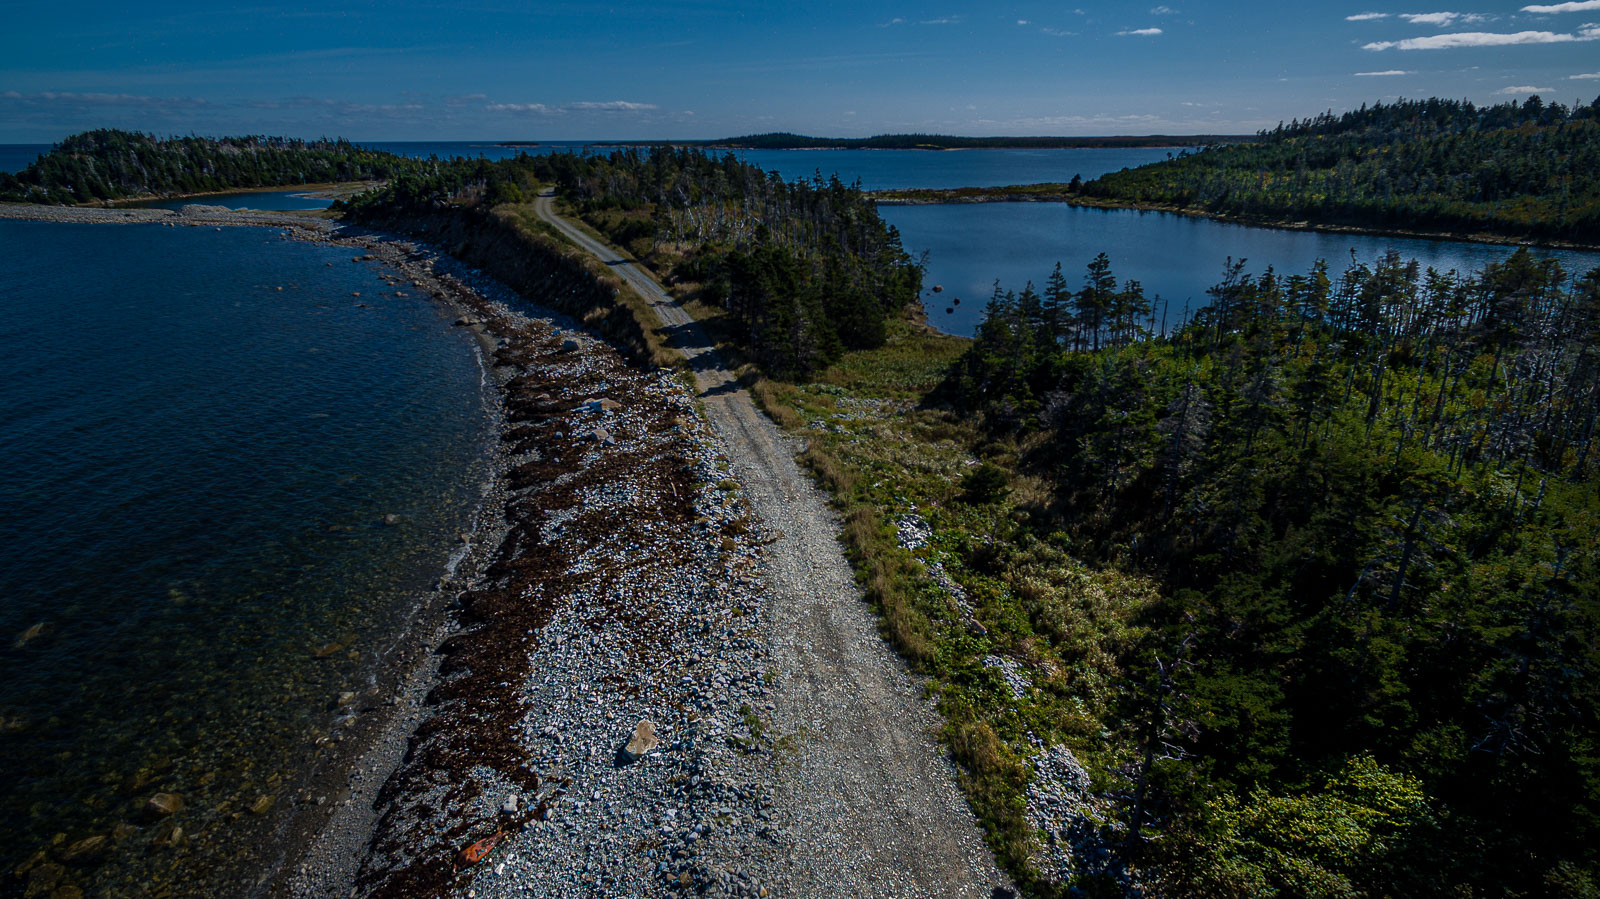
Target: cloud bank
{"x": 580, "y": 106}
{"x": 1486, "y": 39}
{"x": 1578, "y": 6}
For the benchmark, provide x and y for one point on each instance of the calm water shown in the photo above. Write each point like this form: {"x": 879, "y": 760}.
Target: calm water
{"x": 969, "y": 246}
{"x": 893, "y": 169}
{"x": 16, "y": 157}
{"x": 196, "y": 475}
{"x": 262, "y": 200}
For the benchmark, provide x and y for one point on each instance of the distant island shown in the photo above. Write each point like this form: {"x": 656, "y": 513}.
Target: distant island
{"x": 783, "y": 140}
{"x": 1434, "y": 167}
{"x": 108, "y": 165}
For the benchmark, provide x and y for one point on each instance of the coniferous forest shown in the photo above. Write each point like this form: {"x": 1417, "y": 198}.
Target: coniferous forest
{"x": 804, "y": 270}
{"x": 1524, "y": 170}
{"x": 1370, "y": 500}
{"x": 113, "y": 165}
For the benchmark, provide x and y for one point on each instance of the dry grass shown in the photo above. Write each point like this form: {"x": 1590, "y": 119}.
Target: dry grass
{"x": 835, "y": 477}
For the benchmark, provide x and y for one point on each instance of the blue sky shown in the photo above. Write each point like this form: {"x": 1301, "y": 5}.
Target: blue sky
{"x": 709, "y": 68}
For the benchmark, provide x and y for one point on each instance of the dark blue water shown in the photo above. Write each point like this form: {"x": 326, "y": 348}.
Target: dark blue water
{"x": 969, "y": 246}
{"x": 16, "y": 157}
{"x": 196, "y": 467}
{"x": 894, "y": 169}
{"x": 262, "y": 200}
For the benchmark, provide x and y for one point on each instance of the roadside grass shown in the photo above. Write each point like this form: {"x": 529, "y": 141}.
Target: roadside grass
{"x": 658, "y": 350}
{"x": 883, "y": 450}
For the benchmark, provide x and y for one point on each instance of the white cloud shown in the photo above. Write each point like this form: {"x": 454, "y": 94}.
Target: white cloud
{"x": 1383, "y": 74}
{"x": 580, "y": 106}
{"x": 1366, "y": 16}
{"x": 1022, "y": 21}
{"x": 1486, "y": 39}
{"x": 1587, "y": 77}
{"x": 1442, "y": 19}
{"x": 1057, "y": 32}
{"x": 68, "y": 98}
{"x": 894, "y": 21}
{"x": 1163, "y": 11}
{"x": 1140, "y": 32}
{"x": 1578, "y": 6}
{"x": 945, "y": 20}
{"x": 521, "y": 107}
{"x": 1519, "y": 91}
{"x": 612, "y": 106}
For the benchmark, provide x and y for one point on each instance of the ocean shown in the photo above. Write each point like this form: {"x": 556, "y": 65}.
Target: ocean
{"x": 224, "y": 482}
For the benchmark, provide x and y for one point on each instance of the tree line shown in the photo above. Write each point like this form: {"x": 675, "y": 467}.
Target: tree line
{"x": 1529, "y": 169}
{"x": 804, "y": 269}
{"x": 1370, "y": 498}
{"x": 108, "y": 164}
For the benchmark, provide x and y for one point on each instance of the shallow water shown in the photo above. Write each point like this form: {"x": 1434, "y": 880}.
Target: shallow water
{"x": 260, "y": 200}
{"x": 197, "y": 471}
{"x": 971, "y": 245}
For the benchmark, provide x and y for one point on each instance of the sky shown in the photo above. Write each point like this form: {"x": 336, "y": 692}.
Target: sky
{"x": 683, "y": 69}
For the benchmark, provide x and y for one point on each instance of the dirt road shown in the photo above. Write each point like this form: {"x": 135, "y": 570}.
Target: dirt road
{"x": 869, "y": 803}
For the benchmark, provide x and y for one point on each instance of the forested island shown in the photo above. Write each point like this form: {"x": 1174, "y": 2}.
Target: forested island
{"x": 1527, "y": 170}
{"x": 109, "y": 164}
{"x": 783, "y": 140}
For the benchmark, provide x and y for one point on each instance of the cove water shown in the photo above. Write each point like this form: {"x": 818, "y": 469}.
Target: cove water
{"x": 970, "y": 246}
{"x": 224, "y": 481}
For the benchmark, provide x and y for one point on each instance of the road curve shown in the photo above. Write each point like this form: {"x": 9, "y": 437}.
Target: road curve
{"x": 871, "y": 802}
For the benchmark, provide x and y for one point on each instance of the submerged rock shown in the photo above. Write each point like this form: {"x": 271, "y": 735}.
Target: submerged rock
{"x": 29, "y": 635}
{"x": 163, "y": 804}
{"x": 87, "y": 849}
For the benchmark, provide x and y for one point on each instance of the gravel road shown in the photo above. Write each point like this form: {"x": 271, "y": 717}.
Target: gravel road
{"x": 868, "y": 804}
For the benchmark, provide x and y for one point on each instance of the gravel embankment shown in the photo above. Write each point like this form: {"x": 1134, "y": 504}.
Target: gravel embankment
{"x": 193, "y": 215}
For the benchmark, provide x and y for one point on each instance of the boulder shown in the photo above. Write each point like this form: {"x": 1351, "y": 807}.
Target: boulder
{"x": 163, "y": 804}
{"x": 643, "y": 741}
{"x": 87, "y": 849}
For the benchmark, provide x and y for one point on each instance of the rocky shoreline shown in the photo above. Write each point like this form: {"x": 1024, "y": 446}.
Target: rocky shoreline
{"x": 618, "y": 591}
{"x": 650, "y": 674}
{"x": 607, "y": 593}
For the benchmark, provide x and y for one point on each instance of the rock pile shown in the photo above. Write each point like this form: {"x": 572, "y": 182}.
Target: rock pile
{"x": 1061, "y": 806}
